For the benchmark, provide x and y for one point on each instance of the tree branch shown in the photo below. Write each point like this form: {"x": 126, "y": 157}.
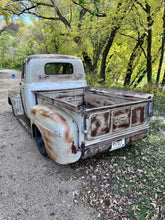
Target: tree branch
{"x": 144, "y": 52}
{"x": 139, "y": 3}
{"x": 32, "y": 9}
{"x": 98, "y": 14}
{"x": 126, "y": 35}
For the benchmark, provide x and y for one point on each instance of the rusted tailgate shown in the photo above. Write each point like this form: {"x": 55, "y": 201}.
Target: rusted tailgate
{"x": 113, "y": 121}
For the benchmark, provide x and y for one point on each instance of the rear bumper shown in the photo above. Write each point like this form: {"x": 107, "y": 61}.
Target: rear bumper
{"x": 107, "y": 145}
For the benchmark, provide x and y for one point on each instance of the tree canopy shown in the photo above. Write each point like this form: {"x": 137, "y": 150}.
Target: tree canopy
{"x": 121, "y": 42}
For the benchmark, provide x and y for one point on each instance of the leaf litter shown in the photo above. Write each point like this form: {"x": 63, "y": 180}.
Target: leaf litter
{"x": 128, "y": 183}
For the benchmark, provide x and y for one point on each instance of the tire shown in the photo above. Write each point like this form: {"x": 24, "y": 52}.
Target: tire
{"x": 40, "y": 143}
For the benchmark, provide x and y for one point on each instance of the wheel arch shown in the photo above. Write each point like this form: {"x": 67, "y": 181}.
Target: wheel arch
{"x": 9, "y": 101}
{"x": 33, "y": 127}
{"x": 59, "y": 131}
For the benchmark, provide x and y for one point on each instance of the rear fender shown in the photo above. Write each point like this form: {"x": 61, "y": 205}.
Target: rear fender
{"x": 59, "y": 132}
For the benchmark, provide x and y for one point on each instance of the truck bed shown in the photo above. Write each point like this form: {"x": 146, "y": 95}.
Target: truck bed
{"x": 88, "y": 98}
{"x": 104, "y": 112}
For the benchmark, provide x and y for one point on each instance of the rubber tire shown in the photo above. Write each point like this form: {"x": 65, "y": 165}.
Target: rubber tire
{"x": 40, "y": 142}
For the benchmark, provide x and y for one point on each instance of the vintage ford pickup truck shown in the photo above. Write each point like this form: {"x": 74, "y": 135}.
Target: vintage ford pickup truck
{"x": 70, "y": 120}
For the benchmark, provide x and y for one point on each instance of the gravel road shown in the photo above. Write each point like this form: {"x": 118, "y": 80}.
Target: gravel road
{"x": 32, "y": 187}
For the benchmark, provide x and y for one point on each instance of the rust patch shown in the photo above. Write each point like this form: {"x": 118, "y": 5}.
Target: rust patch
{"x": 121, "y": 119}
{"x": 48, "y": 143}
{"x": 74, "y": 149}
{"x": 43, "y": 77}
{"x": 100, "y": 124}
{"x": 51, "y": 153}
{"x": 58, "y": 118}
{"x": 118, "y": 113}
{"x": 44, "y": 114}
{"x": 16, "y": 91}
{"x": 138, "y": 116}
{"x": 137, "y": 137}
{"x": 68, "y": 139}
{"x": 105, "y": 103}
{"x": 65, "y": 76}
{"x": 53, "y": 115}
{"x": 46, "y": 139}
{"x": 33, "y": 111}
{"x": 106, "y": 116}
{"x": 78, "y": 76}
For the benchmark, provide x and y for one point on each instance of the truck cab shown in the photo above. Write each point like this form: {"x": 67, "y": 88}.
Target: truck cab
{"x": 49, "y": 72}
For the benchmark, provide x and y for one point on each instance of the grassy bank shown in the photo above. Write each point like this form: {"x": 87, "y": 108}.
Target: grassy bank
{"x": 128, "y": 183}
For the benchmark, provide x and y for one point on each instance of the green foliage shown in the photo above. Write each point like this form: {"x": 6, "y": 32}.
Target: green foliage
{"x": 83, "y": 30}
{"x": 159, "y": 105}
{"x": 81, "y": 2}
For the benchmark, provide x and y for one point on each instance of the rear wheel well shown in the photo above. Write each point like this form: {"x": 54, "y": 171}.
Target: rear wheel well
{"x": 39, "y": 141}
{"x": 9, "y": 101}
{"x": 33, "y": 129}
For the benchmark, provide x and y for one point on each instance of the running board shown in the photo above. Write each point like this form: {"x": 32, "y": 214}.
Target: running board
{"x": 25, "y": 122}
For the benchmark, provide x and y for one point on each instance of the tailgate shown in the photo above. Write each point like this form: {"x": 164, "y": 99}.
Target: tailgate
{"x": 112, "y": 122}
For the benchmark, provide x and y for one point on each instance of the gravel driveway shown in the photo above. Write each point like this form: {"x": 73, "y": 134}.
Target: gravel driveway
{"x": 31, "y": 186}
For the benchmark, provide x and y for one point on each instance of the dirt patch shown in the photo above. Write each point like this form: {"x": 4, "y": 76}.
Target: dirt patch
{"x": 31, "y": 186}
{"x": 6, "y": 83}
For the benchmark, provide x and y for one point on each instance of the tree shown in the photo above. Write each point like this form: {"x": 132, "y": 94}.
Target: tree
{"x": 11, "y": 26}
{"x": 121, "y": 13}
{"x": 163, "y": 80}
{"x": 40, "y": 9}
{"x": 136, "y": 50}
{"x": 115, "y": 39}
{"x": 162, "y": 48}
{"x": 65, "y": 12}
{"x": 7, "y": 23}
{"x": 151, "y": 9}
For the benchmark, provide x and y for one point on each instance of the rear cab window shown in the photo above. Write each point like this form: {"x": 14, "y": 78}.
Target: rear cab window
{"x": 58, "y": 68}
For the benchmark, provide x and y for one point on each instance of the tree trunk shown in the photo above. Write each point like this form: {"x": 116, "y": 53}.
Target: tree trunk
{"x": 88, "y": 62}
{"x": 140, "y": 79}
{"x": 132, "y": 59}
{"x": 106, "y": 51}
{"x": 149, "y": 44}
{"x": 163, "y": 81}
{"x": 113, "y": 34}
{"x": 162, "y": 50}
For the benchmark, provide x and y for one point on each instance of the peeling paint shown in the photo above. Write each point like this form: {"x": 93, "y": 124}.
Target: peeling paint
{"x": 59, "y": 133}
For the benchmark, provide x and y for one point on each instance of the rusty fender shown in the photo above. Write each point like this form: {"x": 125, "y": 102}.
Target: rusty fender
{"x": 59, "y": 132}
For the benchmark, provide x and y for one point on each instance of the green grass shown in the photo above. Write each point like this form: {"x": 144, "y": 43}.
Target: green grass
{"x": 159, "y": 105}
{"x": 148, "y": 199}
{"x": 150, "y": 179}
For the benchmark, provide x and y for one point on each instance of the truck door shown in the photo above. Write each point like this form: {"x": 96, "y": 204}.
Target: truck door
{"x": 22, "y": 87}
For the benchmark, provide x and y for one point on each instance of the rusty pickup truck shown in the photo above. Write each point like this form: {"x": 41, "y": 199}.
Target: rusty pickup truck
{"x": 70, "y": 120}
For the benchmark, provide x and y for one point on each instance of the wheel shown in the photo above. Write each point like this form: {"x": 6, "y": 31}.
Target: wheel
{"x": 40, "y": 143}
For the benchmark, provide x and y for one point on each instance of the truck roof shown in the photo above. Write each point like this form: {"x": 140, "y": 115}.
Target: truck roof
{"x": 54, "y": 56}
